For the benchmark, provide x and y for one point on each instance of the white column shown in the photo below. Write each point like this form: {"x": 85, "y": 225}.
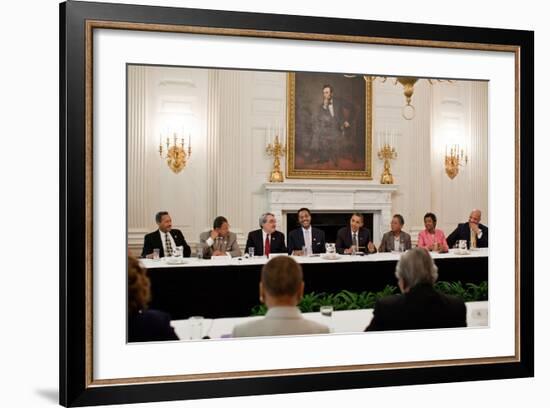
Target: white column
{"x": 212, "y": 142}
{"x": 230, "y": 197}
{"x": 478, "y": 155}
{"x": 137, "y": 148}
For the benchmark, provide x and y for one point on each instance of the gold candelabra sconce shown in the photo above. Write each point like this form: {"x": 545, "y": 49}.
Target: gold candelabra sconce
{"x": 277, "y": 150}
{"x": 387, "y": 153}
{"x": 175, "y": 154}
{"x": 454, "y": 159}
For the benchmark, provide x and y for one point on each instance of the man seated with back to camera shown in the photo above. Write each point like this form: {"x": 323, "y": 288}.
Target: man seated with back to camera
{"x": 306, "y": 236}
{"x": 219, "y": 241}
{"x": 166, "y": 239}
{"x": 356, "y": 235}
{"x": 281, "y": 290}
{"x": 419, "y": 306}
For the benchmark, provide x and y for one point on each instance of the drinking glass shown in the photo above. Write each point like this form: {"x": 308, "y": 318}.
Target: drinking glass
{"x": 401, "y": 247}
{"x": 156, "y": 254}
{"x": 199, "y": 254}
{"x": 354, "y": 249}
{"x": 195, "y": 327}
{"x": 251, "y": 252}
{"x": 326, "y": 311}
{"x": 305, "y": 251}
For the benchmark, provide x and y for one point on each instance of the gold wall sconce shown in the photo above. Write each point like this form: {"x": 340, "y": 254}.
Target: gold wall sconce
{"x": 454, "y": 159}
{"x": 176, "y": 155}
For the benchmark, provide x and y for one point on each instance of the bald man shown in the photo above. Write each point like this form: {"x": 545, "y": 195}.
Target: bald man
{"x": 473, "y": 231}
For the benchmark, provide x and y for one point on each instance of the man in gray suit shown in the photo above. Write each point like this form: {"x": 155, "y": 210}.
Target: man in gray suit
{"x": 396, "y": 239}
{"x": 281, "y": 289}
{"x": 219, "y": 241}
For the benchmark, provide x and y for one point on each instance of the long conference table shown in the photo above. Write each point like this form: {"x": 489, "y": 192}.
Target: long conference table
{"x": 342, "y": 321}
{"x": 223, "y": 287}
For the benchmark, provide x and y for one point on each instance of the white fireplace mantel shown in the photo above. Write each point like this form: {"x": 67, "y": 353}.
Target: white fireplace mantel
{"x": 333, "y": 196}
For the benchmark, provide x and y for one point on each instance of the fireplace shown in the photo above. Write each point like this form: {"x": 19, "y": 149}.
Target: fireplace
{"x": 329, "y": 222}
{"x": 332, "y": 202}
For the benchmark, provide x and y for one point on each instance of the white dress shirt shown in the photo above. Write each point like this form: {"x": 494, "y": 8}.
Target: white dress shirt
{"x": 307, "y": 238}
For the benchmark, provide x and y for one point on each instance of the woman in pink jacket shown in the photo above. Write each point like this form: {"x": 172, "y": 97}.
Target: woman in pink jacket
{"x": 431, "y": 238}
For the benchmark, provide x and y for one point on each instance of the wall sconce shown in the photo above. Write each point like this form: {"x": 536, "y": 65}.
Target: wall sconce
{"x": 454, "y": 158}
{"x": 175, "y": 155}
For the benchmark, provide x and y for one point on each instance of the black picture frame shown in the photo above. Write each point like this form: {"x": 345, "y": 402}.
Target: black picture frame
{"x": 77, "y": 388}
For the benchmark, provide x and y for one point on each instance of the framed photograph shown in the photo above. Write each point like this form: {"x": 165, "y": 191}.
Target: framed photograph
{"x": 329, "y": 126}
{"x": 106, "y": 50}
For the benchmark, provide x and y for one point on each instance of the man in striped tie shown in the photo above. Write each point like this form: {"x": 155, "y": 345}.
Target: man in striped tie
{"x": 166, "y": 239}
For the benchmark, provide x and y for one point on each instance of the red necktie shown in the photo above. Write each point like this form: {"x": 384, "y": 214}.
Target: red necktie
{"x": 267, "y": 246}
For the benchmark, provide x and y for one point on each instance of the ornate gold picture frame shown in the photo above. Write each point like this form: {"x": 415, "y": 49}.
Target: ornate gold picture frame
{"x": 325, "y": 139}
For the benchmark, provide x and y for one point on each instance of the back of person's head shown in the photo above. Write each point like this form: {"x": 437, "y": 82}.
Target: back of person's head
{"x": 282, "y": 276}
{"x": 416, "y": 266}
{"x": 139, "y": 293}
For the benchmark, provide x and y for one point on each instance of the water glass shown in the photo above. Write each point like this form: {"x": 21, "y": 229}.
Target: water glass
{"x": 326, "y": 311}
{"x": 195, "y": 327}
{"x": 199, "y": 253}
{"x": 156, "y": 254}
{"x": 305, "y": 251}
{"x": 353, "y": 249}
{"x": 401, "y": 247}
{"x": 251, "y": 252}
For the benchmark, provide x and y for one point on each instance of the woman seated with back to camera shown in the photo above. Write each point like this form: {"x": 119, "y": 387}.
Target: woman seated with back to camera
{"x": 281, "y": 289}
{"x": 420, "y": 305}
{"x": 144, "y": 324}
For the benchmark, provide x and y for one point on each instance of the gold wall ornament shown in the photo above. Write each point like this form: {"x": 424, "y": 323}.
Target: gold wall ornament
{"x": 454, "y": 158}
{"x": 176, "y": 156}
{"x": 387, "y": 153}
{"x": 276, "y": 150}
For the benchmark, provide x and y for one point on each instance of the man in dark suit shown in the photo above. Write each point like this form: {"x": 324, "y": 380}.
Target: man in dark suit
{"x": 165, "y": 239}
{"x": 266, "y": 240}
{"x": 356, "y": 235}
{"x": 475, "y": 233}
{"x": 419, "y": 306}
{"x": 306, "y": 236}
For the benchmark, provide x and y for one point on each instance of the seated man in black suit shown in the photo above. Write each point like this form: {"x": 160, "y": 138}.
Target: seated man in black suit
{"x": 307, "y": 236}
{"x": 419, "y": 306}
{"x": 144, "y": 324}
{"x": 475, "y": 233}
{"x": 266, "y": 240}
{"x": 165, "y": 239}
{"x": 356, "y": 235}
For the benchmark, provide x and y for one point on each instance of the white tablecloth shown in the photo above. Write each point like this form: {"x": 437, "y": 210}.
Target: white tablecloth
{"x": 260, "y": 260}
{"x": 342, "y": 321}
